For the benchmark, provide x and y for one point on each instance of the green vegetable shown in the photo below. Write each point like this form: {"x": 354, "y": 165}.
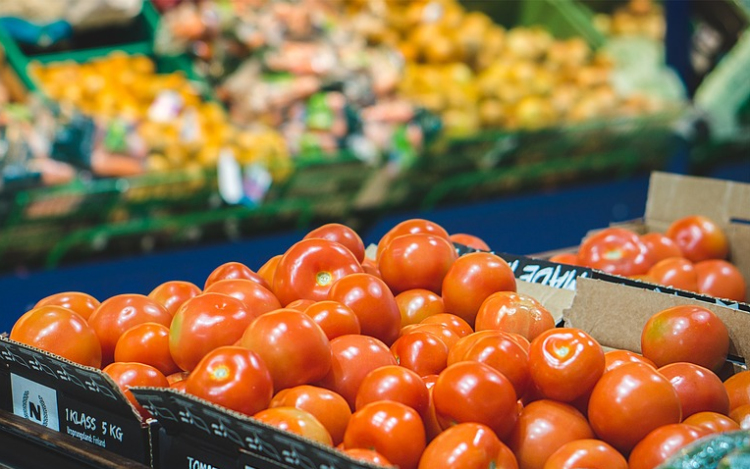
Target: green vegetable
{"x": 709, "y": 452}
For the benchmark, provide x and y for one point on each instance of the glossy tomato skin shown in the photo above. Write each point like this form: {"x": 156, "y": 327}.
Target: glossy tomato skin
{"x": 300, "y": 305}
{"x": 367, "y": 455}
{"x": 721, "y": 279}
{"x": 268, "y": 270}
{"x": 232, "y": 377}
{"x": 329, "y": 408}
{"x": 738, "y": 389}
{"x": 310, "y": 267}
{"x": 660, "y": 246}
{"x": 173, "y": 293}
{"x": 343, "y": 235}
{"x": 203, "y": 323}
{"x": 416, "y": 261}
{"x": 616, "y": 251}
{"x": 713, "y": 422}
{"x": 445, "y": 333}
{"x": 569, "y": 258}
{"x": 467, "y": 445}
{"x": 459, "y": 349}
{"x": 256, "y": 298}
{"x": 336, "y": 319}
{"x": 147, "y": 343}
{"x": 295, "y": 349}
{"x": 741, "y": 415}
{"x": 505, "y": 355}
{"x": 296, "y": 421}
{"x": 630, "y": 401}
{"x": 233, "y": 271}
{"x": 471, "y": 279}
{"x": 418, "y": 304}
{"x": 565, "y": 363}
{"x": 661, "y": 443}
{"x": 393, "y": 383}
{"x": 451, "y": 321}
{"x": 699, "y": 388}
{"x": 412, "y": 226}
{"x": 79, "y": 302}
{"x": 60, "y": 331}
{"x": 542, "y": 428}
{"x": 421, "y": 352}
{"x": 469, "y": 240}
{"x": 390, "y": 428}
{"x": 587, "y": 453}
{"x": 675, "y": 272}
{"x": 686, "y": 333}
{"x": 514, "y": 312}
{"x": 121, "y": 312}
{"x": 699, "y": 238}
{"x": 128, "y": 374}
{"x": 615, "y": 358}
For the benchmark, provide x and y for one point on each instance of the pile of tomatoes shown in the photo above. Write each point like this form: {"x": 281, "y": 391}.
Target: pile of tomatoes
{"x": 690, "y": 255}
{"x": 415, "y": 358}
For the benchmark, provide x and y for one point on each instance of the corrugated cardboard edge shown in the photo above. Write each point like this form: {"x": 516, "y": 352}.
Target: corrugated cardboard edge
{"x": 556, "y": 300}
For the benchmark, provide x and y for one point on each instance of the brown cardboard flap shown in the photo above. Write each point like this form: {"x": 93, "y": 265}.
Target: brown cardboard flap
{"x": 615, "y": 314}
{"x": 556, "y": 300}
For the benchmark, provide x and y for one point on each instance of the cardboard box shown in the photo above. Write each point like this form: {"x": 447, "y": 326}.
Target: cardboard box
{"x": 72, "y": 399}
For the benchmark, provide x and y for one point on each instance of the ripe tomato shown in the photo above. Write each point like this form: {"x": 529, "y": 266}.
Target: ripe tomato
{"x": 469, "y": 240}
{"x": 421, "y": 352}
{"x": 741, "y": 415}
{"x": 661, "y": 443}
{"x": 294, "y": 420}
{"x": 353, "y": 357}
{"x": 147, "y": 343}
{"x": 429, "y": 418}
{"x": 334, "y": 318}
{"x": 719, "y": 278}
{"x": 565, "y": 363}
{"x": 412, "y": 226}
{"x": 78, "y": 302}
{"x": 514, "y": 312}
{"x": 467, "y": 445}
{"x": 505, "y": 355}
{"x": 393, "y": 383}
{"x": 569, "y": 258}
{"x": 329, "y": 408}
{"x": 268, "y": 269}
{"x": 232, "y": 377}
{"x": 128, "y": 374}
{"x": 372, "y": 302}
{"x": 475, "y": 392}
{"x": 367, "y": 455}
{"x": 300, "y": 305}
{"x": 676, "y": 272}
{"x": 310, "y": 267}
{"x": 588, "y": 453}
{"x": 445, "y": 333}
{"x": 295, "y": 349}
{"x": 416, "y": 261}
{"x": 616, "y": 251}
{"x": 630, "y": 401}
{"x": 418, "y": 304}
{"x": 172, "y": 294}
{"x": 738, "y": 389}
{"x": 390, "y": 428}
{"x": 232, "y": 271}
{"x": 660, "y": 246}
{"x": 458, "y": 351}
{"x": 713, "y": 422}
{"x": 471, "y": 279}
{"x": 699, "y": 238}
{"x": 121, "y": 312}
{"x": 542, "y": 428}
{"x": 615, "y": 358}
{"x": 60, "y": 331}
{"x": 204, "y": 323}
{"x": 256, "y": 298}
{"x": 686, "y": 334}
{"x": 341, "y": 234}
{"x": 369, "y": 266}
{"x": 699, "y": 388}
{"x": 451, "y": 321}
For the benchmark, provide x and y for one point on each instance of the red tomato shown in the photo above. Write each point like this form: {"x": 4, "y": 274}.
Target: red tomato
{"x": 310, "y": 267}
{"x": 121, "y": 312}
{"x": 413, "y": 226}
{"x": 630, "y": 401}
{"x": 334, "y": 318}
{"x": 173, "y": 294}
{"x": 686, "y": 334}
{"x": 232, "y": 377}
{"x": 719, "y": 278}
{"x": 370, "y": 266}
{"x": 367, "y": 455}
{"x": 300, "y": 305}
{"x": 78, "y": 302}
{"x": 416, "y": 261}
{"x": 676, "y": 272}
{"x": 458, "y": 351}
{"x": 713, "y": 422}
{"x": 256, "y": 298}
{"x": 588, "y": 453}
{"x": 467, "y": 445}
{"x": 471, "y": 279}
{"x": 543, "y": 427}
{"x": 699, "y": 388}
{"x": 741, "y": 415}
{"x": 445, "y": 333}
{"x": 660, "y": 246}
{"x": 294, "y": 420}
{"x": 615, "y": 358}
{"x": 295, "y": 349}
{"x": 393, "y": 383}
{"x": 340, "y": 234}
{"x": 390, "y": 428}
{"x": 372, "y": 302}
{"x": 421, "y": 352}
{"x": 469, "y": 240}
{"x": 353, "y": 357}
{"x": 699, "y": 238}
{"x": 418, "y": 304}
{"x": 475, "y": 392}
{"x": 662, "y": 443}
{"x": 616, "y": 251}
{"x": 60, "y": 331}
{"x": 505, "y": 355}
{"x": 514, "y": 312}
{"x": 233, "y": 271}
{"x": 127, "y": 375}
{"x": 430, "y": 420}
{"x": 268, "y": 269}
{"x": 738, "y": 389}
{"x": 565, "y": 363}
{"x": 569, "y": 258}
{"x": 329, "y": 408}
{"x": 147, "y": 343}
{"x": 451, "y": 321}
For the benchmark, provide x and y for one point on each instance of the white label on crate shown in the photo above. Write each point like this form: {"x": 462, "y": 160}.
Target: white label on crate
{"x": 34, "y": 402}
{"x": 196, "y": 464}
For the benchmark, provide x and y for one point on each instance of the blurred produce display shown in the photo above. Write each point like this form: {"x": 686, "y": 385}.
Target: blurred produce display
{"x": 643, "y": 18}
